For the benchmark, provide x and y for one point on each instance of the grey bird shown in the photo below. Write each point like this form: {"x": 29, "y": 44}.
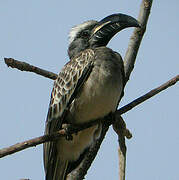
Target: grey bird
{"x": 88, "y": 87}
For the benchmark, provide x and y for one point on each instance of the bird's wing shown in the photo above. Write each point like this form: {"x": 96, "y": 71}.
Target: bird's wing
{"x": 122, "y": 73}
{"x": 65, "y": 88}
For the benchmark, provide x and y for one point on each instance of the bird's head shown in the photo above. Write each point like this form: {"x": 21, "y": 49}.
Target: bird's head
{"x": 92, "y": 34}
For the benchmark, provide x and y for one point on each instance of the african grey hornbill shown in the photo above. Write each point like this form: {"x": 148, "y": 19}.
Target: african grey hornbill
{"x": 88, "y": 87}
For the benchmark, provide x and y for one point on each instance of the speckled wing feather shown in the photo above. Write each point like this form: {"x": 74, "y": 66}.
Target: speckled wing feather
{"x": 66, "y": 86}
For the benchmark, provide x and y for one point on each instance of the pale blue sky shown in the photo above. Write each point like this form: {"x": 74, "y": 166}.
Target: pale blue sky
{"x": 36, "y": 31}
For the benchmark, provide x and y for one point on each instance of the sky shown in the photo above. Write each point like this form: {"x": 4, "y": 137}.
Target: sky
{"x": 36, "y": 32}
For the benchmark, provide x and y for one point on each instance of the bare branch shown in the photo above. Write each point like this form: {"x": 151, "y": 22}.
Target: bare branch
{"x": 23, "y": 66}
{"x": 68, "y": 129}
{"x": 30, "y": 143}
{"x": 74, "y": 129}
{"x": 119, "y": 127}
{"x": 136, "y": 38}
{"x": 129, "y": 61}
{"x": 148, "y": 95}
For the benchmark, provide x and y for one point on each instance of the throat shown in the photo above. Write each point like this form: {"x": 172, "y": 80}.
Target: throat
{"x": 76, "y": 47}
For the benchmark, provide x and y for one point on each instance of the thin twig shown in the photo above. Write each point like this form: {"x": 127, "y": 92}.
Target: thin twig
{"x": 74, "y": 129}
{"x": 148, "y": 95}
{"x": 23, "y": 66}
{"x": 30, "y": 143}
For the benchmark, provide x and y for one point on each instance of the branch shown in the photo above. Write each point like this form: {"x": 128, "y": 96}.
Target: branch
{"x": 148, "y": 95}
{"x": 29, "y": 143}
{"x": 74, "y": 129}
{"x": 120, "y": 128}
{"x": 23, "y": 66}
{"x": 67, "y": 130}
{"x": 129, "y": 61}
{"x": 136, "y": 38}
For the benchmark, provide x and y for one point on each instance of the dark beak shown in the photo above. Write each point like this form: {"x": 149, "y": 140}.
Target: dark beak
{"x": 109, "y": 26}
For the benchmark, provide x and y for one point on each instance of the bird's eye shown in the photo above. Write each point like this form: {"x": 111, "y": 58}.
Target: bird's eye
{"x": 85, "y": 34}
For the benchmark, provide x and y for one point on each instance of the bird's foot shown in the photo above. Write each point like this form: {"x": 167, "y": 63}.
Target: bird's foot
{"x": 67, "y": 128}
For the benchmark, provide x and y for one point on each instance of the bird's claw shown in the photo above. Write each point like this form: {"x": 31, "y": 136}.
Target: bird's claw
{"x": 68, "y": 136}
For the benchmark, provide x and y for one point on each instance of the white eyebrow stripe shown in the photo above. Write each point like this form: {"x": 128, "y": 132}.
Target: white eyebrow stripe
{"x": 76, "y": 29}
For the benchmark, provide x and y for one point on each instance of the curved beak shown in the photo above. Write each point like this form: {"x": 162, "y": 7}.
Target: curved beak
{"x": 109, "y": 26}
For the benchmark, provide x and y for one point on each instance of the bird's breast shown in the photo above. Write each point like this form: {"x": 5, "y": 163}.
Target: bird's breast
{"x": 100, "y": 93}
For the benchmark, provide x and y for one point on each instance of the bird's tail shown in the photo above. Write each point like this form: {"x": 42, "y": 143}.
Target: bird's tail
{"x": 59, "y": 171}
